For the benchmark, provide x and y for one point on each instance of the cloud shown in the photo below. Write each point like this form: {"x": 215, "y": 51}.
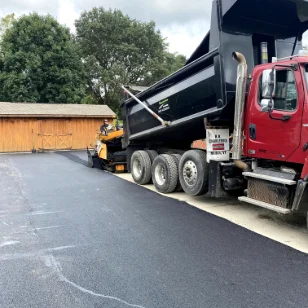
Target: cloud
{"x": 183, "y": 25}
{"x": 163, "y": 12}
{"x": 185, "y": 38}
{"x": 67, "y": 13}
{"x": 20, "y": 7}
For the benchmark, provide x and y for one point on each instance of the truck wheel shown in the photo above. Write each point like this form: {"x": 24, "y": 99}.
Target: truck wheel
{"x": 153, "y": 154}
{"x": 165, "y": 173}
{"x": 194, "y": 173}
{"x": 141, "y": 167}
{"x": 177, "y": 158}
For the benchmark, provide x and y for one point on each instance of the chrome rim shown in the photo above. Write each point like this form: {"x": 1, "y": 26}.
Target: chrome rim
{"x": 137, "y": 167}
{"x": 190, "y": 173}
{"x": 160, "y": 174}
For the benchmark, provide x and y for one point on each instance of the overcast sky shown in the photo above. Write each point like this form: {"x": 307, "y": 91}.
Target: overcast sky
{"x": 184, "y": 23}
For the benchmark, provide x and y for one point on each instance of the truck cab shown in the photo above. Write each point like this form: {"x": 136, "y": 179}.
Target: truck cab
{"x": 275, "y": 136}
{"x": 279, "y": 133}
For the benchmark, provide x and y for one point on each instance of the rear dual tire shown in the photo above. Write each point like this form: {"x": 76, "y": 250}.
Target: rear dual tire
{"x": 177, "y": 158}
{"x": 141, "y": 163}
{"x": 153, "y": 154}
{"x": 165, "y": 173}
{"x": 141, "y": 167}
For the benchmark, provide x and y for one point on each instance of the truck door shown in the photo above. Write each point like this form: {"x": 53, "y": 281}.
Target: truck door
{"x": 275, "y": 135}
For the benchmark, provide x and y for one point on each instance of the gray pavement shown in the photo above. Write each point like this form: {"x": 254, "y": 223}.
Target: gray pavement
{"x": 71, "y": 236}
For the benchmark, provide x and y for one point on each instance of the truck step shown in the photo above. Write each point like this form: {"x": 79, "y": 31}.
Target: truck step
{"x": 265, "y": 205}
{"x": 269, "y": 178}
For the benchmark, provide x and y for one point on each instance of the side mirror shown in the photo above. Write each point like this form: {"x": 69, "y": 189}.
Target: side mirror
{"x": 268, "y": 90}
{"x": 264, "y": 104}
{"x": 272, "y": 83}
{"x": 268, "y": 83}
{"x": 267, "y": 104}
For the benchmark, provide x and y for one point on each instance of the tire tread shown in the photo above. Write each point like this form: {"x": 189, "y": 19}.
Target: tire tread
{"x": 146, "y": 161}
{"x": 173, "y": 173}
{"x": 177, "y": 158}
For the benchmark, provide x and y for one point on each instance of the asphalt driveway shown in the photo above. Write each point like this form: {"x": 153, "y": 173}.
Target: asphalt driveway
{"x": 71, "y": 236}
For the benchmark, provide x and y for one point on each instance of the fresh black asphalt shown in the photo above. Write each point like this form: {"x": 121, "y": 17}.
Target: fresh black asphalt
{"x": 71, "y": 236}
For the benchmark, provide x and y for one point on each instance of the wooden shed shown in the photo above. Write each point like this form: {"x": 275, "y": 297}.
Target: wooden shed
{"x": 28, "y": 127}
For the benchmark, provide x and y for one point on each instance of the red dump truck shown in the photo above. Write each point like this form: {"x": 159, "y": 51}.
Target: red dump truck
{"x": 244, "y": 90}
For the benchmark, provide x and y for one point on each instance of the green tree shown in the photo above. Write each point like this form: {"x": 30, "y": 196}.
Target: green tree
{"x": 6, "y": 23}
{"x": 170, "y": 64}
{"x": 40, "y": 62}
{"x": 119, "y": 50}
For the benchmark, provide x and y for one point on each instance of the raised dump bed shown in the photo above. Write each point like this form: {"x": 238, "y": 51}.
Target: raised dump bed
{"x": 205, "y": 86}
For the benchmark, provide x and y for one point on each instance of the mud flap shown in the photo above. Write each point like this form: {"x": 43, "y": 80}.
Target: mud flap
{"x": 216, "y": 189}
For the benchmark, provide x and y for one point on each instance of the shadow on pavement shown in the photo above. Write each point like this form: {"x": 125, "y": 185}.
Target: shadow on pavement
{"x": 73, "y": 157}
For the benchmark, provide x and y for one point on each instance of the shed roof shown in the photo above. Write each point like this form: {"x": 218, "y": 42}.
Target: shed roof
{"x": 54, "y": 110}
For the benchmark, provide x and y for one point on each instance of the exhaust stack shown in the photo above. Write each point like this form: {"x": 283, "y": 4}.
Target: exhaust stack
{"x": 264, "y": 53}
{"x": 239, "y": 110}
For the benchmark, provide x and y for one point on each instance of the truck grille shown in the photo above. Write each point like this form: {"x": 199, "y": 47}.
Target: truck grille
{"x": 269, "y": 192}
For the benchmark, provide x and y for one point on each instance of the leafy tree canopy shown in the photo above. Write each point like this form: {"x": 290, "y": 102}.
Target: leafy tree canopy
{"x": 171, "y": 62}
{"x": 40, "y": 62}
{"x": 5, "y": 23}
{"x": 119, "y": 50}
